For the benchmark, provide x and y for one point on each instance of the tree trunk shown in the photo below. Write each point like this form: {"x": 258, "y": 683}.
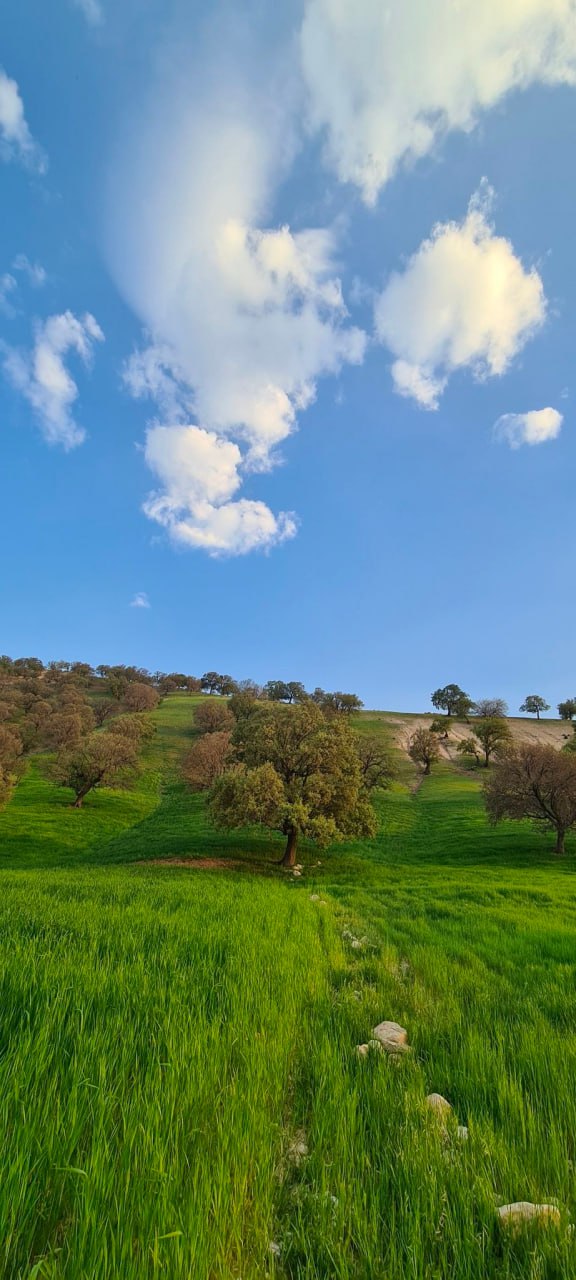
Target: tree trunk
{"x": 427, "y": 768}
{"x": 560, "y": 834}
{"x": 486, "y": 759}
{"x": 289, "y": 858}
{"x": 78, "y": 802}
{"x": 537, "y": 713}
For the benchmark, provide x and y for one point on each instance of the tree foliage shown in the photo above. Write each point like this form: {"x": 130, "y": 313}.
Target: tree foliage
{"x": 207, "y": 760}
{"x": 213, "y": 717}
{"x": 567, "y": 709}
{"x": 423, "y": 748}
{"x": 534, "y": 704}
{"x": 536, "y": 782}
{"x": 297, "y": 772}
{"x": 99, "y": 760}
{"x": 492, "y": 734}
{"x": 452, "y": 699}
{"x": 376, "y": 762}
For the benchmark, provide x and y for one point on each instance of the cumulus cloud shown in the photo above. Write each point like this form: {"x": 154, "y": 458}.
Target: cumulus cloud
{"x": 140, "y": 601}
{"x": 463, "y": 300}
{"x": 16, "y": 141}
{"x": 43, "y": 379}
{"x": 387, "y": 81}
{"x": 199, "y": 474}
{"x": 245, "y": 317}
{"x": 535, "y": 427}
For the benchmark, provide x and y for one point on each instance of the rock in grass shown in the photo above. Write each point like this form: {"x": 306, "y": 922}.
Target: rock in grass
{"x": 362, "y": 1050}
{"x": 296, "y": 872}
{"x": 440, "y": 1106}
{"x": 314, "y": 897}
{"x": 392, "y": 1037}
{"x": 462, "y": 1133}
{"x": 517, "y": 1215}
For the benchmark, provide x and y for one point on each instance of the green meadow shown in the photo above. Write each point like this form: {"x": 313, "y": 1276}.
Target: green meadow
{"x": 180, "y": 1093}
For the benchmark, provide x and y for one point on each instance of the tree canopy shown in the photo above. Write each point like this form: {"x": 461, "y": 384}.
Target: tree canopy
{"x": 534, "y": 704}
{"x": 297, "y": 772}
{"x": 423, "y": 748}
{"x": 452, "y": 699}
{"x": 536, "y": 782}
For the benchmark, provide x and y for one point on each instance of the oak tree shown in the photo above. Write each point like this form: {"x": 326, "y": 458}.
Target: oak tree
{"x": 536, "y": 782}
{"x": 297, "y": 772}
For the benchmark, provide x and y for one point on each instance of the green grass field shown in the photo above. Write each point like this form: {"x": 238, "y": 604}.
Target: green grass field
{"x": 168, "y": 1036}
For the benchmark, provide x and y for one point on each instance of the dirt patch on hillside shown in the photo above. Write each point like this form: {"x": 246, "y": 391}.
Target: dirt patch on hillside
{"x": 553, "y": 733}
{"x": 211, "y": 864}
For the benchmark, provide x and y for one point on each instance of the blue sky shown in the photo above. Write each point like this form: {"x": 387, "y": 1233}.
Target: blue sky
{"x": 287, "y": 332}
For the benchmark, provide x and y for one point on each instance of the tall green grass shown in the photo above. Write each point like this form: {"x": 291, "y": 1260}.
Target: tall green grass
{"x": 167, "y": 1034}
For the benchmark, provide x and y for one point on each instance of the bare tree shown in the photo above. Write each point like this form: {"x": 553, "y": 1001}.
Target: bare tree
{"x": 490, "y": 708}
{"x": 536, "y": 782}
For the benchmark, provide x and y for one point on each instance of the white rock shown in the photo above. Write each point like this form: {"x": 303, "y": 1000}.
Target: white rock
{"x": 275, "y": 1249}
{"x": 296, "y": 872}
{"x": 314, "y": 897}
{"x": 439, "y": 1105}
{"x": 392, "y": 1037}
{"x": 362, "y": 1050}
{"x": 523, "y": 1211}
{"x": 462, "y": 1133}
{"x": 356, "y": 944}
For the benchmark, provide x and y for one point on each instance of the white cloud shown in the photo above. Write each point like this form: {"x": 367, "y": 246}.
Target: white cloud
{"x": 140, "y": 601}
{"x": 91, "y": 9}
{"x": 16, "y": 141}
{"x": 387, "y": 81}
{"x": 34, "y": 272}
{"x": 8, "y": 286}
{"x": 200, "y": 473}
{"x": 535, "y": 427}
{"x": 464, "y": 300}
{"x": 42, "y": 377}
{"x": 244, "y": 317}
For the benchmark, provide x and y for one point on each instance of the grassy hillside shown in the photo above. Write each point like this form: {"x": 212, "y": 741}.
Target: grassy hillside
{"x": 179, "y": 1088}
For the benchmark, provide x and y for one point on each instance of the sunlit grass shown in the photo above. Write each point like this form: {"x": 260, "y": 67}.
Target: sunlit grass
{"x": 165, "y": 1033}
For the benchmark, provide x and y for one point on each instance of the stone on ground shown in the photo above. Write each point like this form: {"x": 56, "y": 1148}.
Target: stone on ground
{"x": 521, "y": 1212}
{"x": 392, "y": 1037}
{"x": 439, "y": 1105}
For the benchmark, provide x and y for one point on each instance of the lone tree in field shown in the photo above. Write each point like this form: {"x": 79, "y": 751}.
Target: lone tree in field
{"x": 534, "y": 782}
{"x": 423, "y": 748}
{"x": 534, "y": 704}
{"x": 297, "y": 772}
{"x": 452, "y": 699}
{"x": 492, "y": 734}
{"x": 490, "y": 708}
{"x": 567, "y": 709}
{"x": 98, "y": 761}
